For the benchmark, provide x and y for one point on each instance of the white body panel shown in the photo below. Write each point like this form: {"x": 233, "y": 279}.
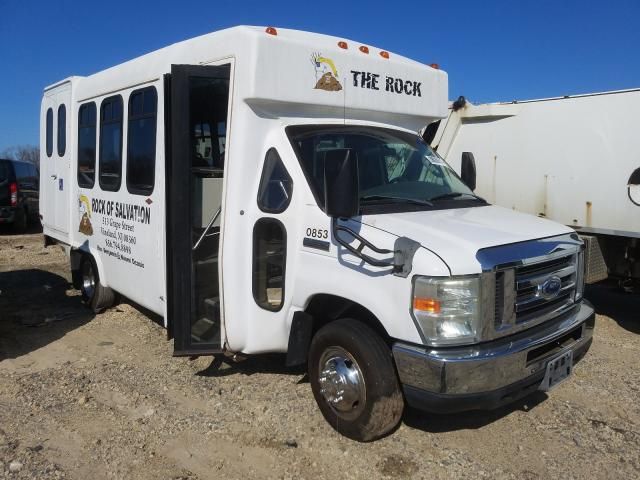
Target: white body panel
{"x": 568, "y": 159}
{"x": 456, "y": 235}
{"x": 55, "y": 169}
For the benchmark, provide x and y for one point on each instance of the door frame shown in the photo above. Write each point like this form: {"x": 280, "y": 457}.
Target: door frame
{"x": 180, "y": 278}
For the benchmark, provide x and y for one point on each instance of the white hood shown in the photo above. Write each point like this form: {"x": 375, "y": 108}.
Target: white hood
{"x": 456, "y": 235}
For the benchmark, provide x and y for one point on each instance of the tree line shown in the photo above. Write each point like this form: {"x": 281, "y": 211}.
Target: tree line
{"x": 23, "y": 153}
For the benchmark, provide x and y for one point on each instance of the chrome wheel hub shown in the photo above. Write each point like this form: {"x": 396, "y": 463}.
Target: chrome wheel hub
{"x": 88, "y": 280}
{"x": 341, "y": 382}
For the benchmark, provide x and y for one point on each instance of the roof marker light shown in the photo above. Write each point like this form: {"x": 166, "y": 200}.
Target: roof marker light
{"x": 343, "y": 45}
{"x": 271, "y": 31}
{"x": 364, "y": 49}
{"x": 435, "y": 66}
{"x": 384, "y": 54}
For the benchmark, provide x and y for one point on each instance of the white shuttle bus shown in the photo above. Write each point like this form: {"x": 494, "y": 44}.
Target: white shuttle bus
{"x": 265, "y": 190}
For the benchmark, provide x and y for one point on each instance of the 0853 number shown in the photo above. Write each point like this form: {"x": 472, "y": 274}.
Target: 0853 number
{"x": 317, "y": 233}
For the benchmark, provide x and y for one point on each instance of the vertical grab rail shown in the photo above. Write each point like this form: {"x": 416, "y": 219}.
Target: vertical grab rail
{"x": 204, "y": 234}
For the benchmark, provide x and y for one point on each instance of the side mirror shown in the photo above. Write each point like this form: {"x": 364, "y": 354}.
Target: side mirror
{"x": 633, "y": 187}
{"x": 468, "y": 170}
{"x": 341, "y": 194}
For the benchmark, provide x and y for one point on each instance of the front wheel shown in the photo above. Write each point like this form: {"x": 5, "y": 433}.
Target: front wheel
{"x": 354, "y": 381}
{"x": 95, "y": 295}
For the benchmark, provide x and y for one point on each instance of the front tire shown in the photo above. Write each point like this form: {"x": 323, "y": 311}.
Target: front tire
{"x": 354, "y": 381}
{"x": 95, "y": 295}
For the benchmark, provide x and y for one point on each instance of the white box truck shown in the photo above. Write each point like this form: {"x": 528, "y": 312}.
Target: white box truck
{"x": 265, "y": 190}
{"x": 572, "y": 159}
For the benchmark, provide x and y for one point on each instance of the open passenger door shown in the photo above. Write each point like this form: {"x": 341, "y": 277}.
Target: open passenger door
{"x": 198, "y": 99}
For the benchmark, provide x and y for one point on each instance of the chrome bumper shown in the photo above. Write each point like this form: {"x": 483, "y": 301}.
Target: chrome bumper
{"x": 494, "y": 366}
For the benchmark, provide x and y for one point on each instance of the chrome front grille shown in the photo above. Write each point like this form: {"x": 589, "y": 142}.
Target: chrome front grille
{"x": 520, "y": 296}
{"x": 516, "y": 286}
{"x": 530, "y": 303}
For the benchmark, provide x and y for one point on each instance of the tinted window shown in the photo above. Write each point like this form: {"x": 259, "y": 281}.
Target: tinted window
{"x": 49, "y": 132}
{"x": 22, "y": 171}
{"x": 269, "y": 258}
{"x": 141, "y": 141}
{"x": 111, "y": 143}
{"x": 87, "y": 145}
{"x": 274, "y": 193}
{"x": 62, "y": 130}
{"x": 33, "y": 171}
{"x": 4, "y": 171}
{"x": 26, "y": 175}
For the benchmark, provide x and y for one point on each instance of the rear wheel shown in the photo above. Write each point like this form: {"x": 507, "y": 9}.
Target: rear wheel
{"x": 95, "y": 295}
{"x": 354, "y": 381}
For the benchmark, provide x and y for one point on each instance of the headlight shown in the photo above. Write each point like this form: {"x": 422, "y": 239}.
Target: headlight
{"x": 447, "y": 310}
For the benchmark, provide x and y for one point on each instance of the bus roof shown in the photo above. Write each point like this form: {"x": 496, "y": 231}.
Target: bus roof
{"x": 294, "y": 73}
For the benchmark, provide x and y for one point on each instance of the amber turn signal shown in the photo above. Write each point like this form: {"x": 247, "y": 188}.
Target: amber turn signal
{"x": 430, "y": 305}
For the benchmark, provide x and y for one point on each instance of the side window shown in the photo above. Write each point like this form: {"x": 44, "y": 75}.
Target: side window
{"x": 35, "y": 176}
{"x": 141, "y": 141}
{"x": 49, "y": 132}
{"x": 274, "y": 193}
{"x": 87, "y": 145}
{"x": 62, "y": 130}
{"x": 110, "y": 162}
{"x": 22, "y": 172}
{"x": 269, "y": 259}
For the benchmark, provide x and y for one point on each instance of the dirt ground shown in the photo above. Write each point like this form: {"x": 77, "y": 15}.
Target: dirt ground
{"x": 102, "y": 398}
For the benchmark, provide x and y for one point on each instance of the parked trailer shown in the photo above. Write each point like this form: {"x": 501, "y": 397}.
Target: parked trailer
{"x": 265, "y": 190}
{"x": 572, "y": 159}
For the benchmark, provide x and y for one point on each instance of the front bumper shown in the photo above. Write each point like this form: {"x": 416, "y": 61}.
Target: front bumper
{"x": 489, "y": 375}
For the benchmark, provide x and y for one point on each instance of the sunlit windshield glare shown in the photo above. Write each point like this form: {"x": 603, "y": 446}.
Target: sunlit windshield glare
{"x": 391, "y": 163}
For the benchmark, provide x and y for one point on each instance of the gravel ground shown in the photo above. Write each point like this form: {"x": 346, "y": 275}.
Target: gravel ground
{"x": 84, "y": 397}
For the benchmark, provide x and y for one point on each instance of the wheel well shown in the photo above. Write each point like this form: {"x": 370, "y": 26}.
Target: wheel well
{"x": 75, "y": 259}
{"x": 325, "y": 308}
{"x": 321, "y": 310}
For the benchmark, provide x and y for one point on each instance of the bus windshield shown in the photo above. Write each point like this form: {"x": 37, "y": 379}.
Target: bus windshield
{"x": 393, "y": 166}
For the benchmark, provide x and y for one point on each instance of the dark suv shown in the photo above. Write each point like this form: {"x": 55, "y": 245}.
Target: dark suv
{"x": 19, "y": 193}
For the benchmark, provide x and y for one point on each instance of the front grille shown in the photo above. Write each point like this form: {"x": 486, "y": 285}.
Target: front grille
{"x": 520, "y": 299}
{"x": 530, "y": 303}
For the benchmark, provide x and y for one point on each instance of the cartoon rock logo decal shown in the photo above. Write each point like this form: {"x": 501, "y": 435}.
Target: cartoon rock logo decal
{"x": 326, "y": 73}
{"x": 84, "y": 207}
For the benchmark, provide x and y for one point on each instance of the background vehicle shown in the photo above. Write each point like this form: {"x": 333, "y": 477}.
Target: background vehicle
{"x": 19, "y": 193}
{"x": 265, "y": 190}
{"x": 572, "y": 159}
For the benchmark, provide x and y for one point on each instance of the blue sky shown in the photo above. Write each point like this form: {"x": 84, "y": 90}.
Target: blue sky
{"x": 492, "y": 50}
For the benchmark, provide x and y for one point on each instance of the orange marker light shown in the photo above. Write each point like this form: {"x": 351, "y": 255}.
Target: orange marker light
{"x": 435, "y": 66}
{"x": 364, "y": 49}
{"x": 429, "y": 305}
{"x": 384, "y": 54}
{"x": 271, "y": 31}
{"x": 343, "y": 45}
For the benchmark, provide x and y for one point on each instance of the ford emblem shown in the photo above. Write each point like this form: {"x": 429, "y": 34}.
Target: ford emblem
{"x": 550, "y": 288}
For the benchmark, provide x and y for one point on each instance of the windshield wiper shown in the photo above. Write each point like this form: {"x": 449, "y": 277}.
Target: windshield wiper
{"x": 456, "y": 195}
{"x": 415, "y": 201}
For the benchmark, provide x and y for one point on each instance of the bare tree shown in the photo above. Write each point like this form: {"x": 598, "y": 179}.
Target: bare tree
{"x": 24, "y": 153}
